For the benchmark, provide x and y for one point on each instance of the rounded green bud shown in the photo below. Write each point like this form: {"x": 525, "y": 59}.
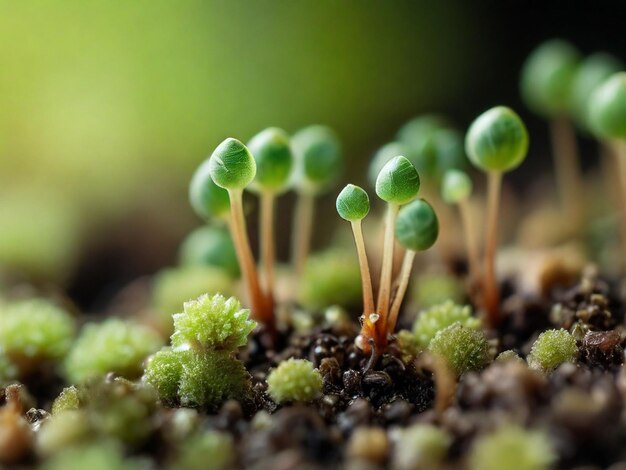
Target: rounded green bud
{"x": 464, "y": 349}
{"x": 210, "y": 246}
{"x": 456, "y": 186}
{"x": 450, "y": 150}
{"x": 551, "y": 349}
{"x": 547, "y": 77}
{"x": 413, "y": 132}
{"x": 497, "y": 140}
{"x": 592, "y": 72}
{"x": 294, "y": 380}
{"x": 318, "y": 158}
{"x": 608, "y": 108}
{"x": 398, "y": 182}
{"x": 272, "y": 151}
{"x": 417, "y": 226}
{"x": 207, "y": 199}
{"x": 231, "y": 165}
{"x": 382, "y": 156}
{"x": 418, "y": 135}
{"x": 353, "y": 203}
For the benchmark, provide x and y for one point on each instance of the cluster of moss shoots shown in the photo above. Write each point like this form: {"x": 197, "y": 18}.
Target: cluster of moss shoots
{"x": 200, "y": 367}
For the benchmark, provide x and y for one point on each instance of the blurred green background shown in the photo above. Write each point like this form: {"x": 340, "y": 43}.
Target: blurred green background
{"x": 106, "y": 107}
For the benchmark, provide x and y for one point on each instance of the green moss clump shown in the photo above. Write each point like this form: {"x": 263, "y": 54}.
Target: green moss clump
{"x": 174, "y": 286}
{"x": 212, "y": 446}
{"x": 210, "y": 246}
{"x": 114, "y": 345}
{"x": 513, "y": 448}
{"x": 94, "y": 456}
{"x": 163, "y": 371}
{"x": 551, "y": 349}
{"x": 509, "y": 355}
{"x": 294, "y": 380}
{"x": 330, "y": 278}
{"x": 212, "y": 323}
{"x": 434, "y": 289}
{"x": 421, "y": 446}
{"x": 465, "y": 349}
{"x": 441, "y": 316}
{"x": 68, "y": 399}
{"x": 407, "y": 343}
{"x": 31, "y": 332}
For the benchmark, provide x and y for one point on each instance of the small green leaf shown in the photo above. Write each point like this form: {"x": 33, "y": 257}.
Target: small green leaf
{"x": 207, "y": 199}
{"x": 417, "y": 226}
{"x": 231, "y": 165}
{"x": 398, "y": 182}
{"x": 456, "y": 186}
{"x": 353, "y": 203}
{"x": 608, "y": 108}
{"x": 274, "y": 160}
{"x": 497, "y": 140}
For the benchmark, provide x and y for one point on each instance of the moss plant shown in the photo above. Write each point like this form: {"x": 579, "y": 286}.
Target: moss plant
{"x": 496, "y": 142}
{"x": 441, "y": 316}
{"x": 464, "y": 349}
{"x": 64, "y": 429}
{"x": 330, "y": 277}
{"x": 318, "y": 164}
{"x": 274, "y": 160}
{"x": 34, "y": 331}
{"x": 68, "y": 399}
{"x": 232, "y": 167}
{"x": 174, "y": 286}
{"x": 114, "y": 345}
{"x": 514, "y": 448}
{"x": 421, "y": 446}
{"x": 210, "y": 246}
{"x": 200, "y": 369}
{"x": 551, "y": 349}
{"x": 210, "y": 446}
{"x": 456, "y": 188}
{"x": 417, "y": 229}
{"x": 546, "y": 83}
{"x": 294, "y": 380}
{"x": 94, "y": 456}
{"x": 434, "y": 288}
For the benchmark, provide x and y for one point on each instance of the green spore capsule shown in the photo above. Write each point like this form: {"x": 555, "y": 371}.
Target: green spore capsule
{"x": 231, "y": 165}
{"x": 210, "y": 246}
{"x": 418, "y": 135}
{"x": 456, "y": 186}
{"x": 382, "y": 156}
{"x": 353, "y": 203}
{"x": 497, "y": 140}
{"x": 592, "y": 72}
{"x": 318, "y": 158}
{"x": 547, "y": 77}
{"x": 207, "y": 199}
{"x": 274, "y": 160}
{"x": 608, "y": 108}
{"x": 398, "y": 182}
{"x": 417, "y": 226}
{"x": 450, "y": 151}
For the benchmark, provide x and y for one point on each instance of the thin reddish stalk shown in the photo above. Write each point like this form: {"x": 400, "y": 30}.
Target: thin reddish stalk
{"x": 491, "y": 296}
{"x": 384, "y": 289}
{"x": 303, "y": 224}
{"x": 405, "y": 275}
{"x": 268, "y": 255}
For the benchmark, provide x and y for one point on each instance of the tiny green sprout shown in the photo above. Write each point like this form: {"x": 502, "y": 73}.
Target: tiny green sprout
{"x": 381, "y": 157}
{"x": 34, "y": 331}
{"x": 353, "y": 204}
{"x": 294, "y": 380}
{"x": 592, "y": 72}
{"x": 439, "y": 317}
{"x": 233, "y": 167}
{"x": 551, "y": 349}
{"x": 114, "y": 345}
{"x": 210, "y": 246}
{"x": 608, "y": 108}
{"x": 398, "y": 182}
{"x": 456, "y": 188}
{"x": 319, "y": 162}
{"x": 513, "y": 448}
{"x": 421, "y": 446}
{"x": 212, "y": 323}
{"x": 272, "y": 152}
{"x": 174, "y": 286}
{"x": 208, "y": 200}
{"x": 497, "y": 141}
{"x": 464, "y": 349}
{"x": 68, "y": 399}
{"x": 547, "y": 77}
{"x": 416, "y": 229}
